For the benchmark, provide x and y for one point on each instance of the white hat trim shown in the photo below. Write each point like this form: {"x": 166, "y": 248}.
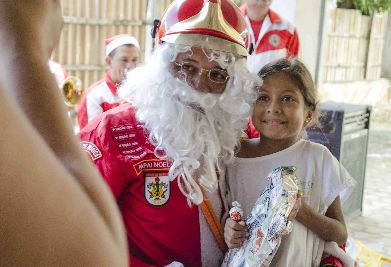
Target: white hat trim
{"x": 123, "y": 40}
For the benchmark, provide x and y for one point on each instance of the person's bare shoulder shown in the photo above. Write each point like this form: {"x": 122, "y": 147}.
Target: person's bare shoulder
{"x": 38, "y": 22}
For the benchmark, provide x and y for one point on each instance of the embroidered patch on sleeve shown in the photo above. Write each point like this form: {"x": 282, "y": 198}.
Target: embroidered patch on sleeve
{"x": 91, "y": 150}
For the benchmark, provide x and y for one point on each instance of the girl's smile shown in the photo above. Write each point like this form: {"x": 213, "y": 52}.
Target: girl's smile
{"x": 280, "y": 110}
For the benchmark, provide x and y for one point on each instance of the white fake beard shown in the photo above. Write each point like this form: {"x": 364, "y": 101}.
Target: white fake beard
{"x": 197, "y": 131}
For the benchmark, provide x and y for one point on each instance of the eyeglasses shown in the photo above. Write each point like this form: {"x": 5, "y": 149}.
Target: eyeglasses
{"x": 215, "y": 75}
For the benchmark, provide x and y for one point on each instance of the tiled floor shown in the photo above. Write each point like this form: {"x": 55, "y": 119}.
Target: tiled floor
{"x": 373, "y": 228}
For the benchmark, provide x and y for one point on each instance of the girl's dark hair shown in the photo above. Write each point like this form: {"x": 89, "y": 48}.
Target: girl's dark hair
{"x": 300, "y": 75}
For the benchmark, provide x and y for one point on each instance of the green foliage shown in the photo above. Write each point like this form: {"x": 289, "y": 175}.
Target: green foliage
{"x": 367, "y": 7}
{"x": 345, "y": 4}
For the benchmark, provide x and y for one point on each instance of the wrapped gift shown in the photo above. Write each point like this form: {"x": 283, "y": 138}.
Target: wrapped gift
{"x": 268, "y": 221}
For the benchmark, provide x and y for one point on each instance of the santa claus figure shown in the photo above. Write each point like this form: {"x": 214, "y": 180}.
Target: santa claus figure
{"x": 163, "y": 151}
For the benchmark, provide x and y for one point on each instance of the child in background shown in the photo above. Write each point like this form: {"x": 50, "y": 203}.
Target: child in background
{"x": 286, "y": 105}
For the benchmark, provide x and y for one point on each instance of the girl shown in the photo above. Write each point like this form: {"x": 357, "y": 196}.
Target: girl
{"x": 286, "y": 105}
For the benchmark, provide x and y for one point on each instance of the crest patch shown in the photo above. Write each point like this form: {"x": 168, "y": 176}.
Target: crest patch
{"x": 91, "y": 149}
{"x": 157, "y": 188}
{"x": 274, "y": 40}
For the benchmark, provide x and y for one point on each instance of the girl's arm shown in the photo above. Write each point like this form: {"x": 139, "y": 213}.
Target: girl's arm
{"x": 235, "y": 233}
{"x": 329, "y": 227}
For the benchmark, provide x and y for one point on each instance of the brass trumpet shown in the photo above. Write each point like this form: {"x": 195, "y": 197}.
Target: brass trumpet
{"x": 72, "y": 91}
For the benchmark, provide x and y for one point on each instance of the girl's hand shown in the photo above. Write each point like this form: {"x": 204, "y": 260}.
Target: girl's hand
{"x": 235, "y": 233}
{"x": 296, "y": 207}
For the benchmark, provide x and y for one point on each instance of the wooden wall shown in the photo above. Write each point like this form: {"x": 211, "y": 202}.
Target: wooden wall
{"x": 87, "y": 23}
{"x": 376, "y": 46}
{"x": 354, "y": 46}
{"x": 346, "y": 45}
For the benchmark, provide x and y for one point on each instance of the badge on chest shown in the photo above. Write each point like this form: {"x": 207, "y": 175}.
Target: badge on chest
{"x": 274, "y": 40}
{"x": 157, "y": 188}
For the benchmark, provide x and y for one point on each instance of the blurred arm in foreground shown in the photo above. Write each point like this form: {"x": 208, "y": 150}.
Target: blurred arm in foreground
{"x": 55, "y": 207}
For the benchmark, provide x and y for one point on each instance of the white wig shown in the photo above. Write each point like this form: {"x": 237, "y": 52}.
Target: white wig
{"x": 196, "y": 131}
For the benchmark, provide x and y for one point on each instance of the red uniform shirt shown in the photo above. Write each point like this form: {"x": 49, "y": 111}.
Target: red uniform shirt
{"x": 161, "y": 227}
{"x": 100, "y": 97}
{"x": 250, "y": 131}
{"x": 256, "y": 26}
{"x": 276, "y": 38}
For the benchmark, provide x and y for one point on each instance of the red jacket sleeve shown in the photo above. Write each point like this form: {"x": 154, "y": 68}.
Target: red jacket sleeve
{"x": 251, "y": 131}
{"x": 82, "y": 117}
{"x": 97, "y": 141}
{"x": 293, "y": 46}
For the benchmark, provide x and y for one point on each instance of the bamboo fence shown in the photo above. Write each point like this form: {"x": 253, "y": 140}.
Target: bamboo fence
{"x": 354, "y": 43}
{"x": 346, "y": 45}
{"x": 354, "y": 46}
{"x": 376, "y": 46}
{"x": 87, "y": 23}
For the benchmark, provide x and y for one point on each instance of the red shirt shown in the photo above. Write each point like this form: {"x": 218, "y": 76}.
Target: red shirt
{"x": 100, "y": 97}
{"x": 256, "y": 25}
{"x": 278, "y": 39}
{"x": 161, "y": 227}
{"x": 251, "y": 131}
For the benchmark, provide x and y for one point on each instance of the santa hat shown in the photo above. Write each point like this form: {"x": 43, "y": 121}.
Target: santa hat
{"x": 118, "y": 40}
